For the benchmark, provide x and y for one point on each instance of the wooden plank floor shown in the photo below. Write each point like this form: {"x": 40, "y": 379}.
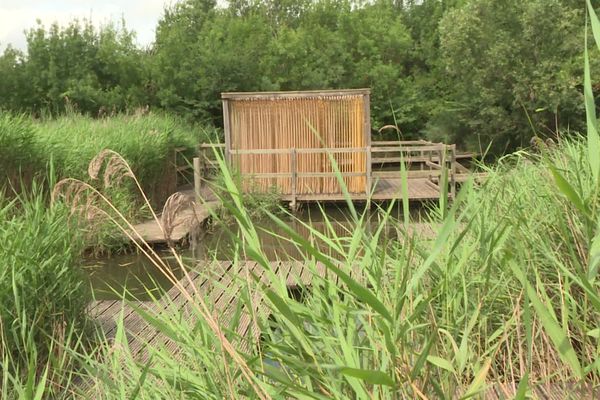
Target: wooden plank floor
{"x": 152, "y": 232}
{"x": 418, "y": 189}
{"x": 222, "y": 284}
{"x": 385, "y": 189}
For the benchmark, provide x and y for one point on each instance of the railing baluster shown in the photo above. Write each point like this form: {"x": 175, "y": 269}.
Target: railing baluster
{"x": 369, "y": 166}
{"x": 294, "y": 171}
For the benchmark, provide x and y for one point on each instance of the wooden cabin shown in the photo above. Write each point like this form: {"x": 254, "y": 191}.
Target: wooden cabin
{"x": 295, "y": 142}
{"x": 316, "y": 146}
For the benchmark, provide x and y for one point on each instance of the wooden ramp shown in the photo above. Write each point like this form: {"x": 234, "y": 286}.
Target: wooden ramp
{"x": 184, "y": 221}
{"x": 222, "y": 284}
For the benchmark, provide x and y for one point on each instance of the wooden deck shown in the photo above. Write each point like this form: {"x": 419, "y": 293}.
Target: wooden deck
{"x": 189, "y": 215}
{"x": 419, "y": 189}
{"x": 222, "y": 285}
{"x": 425, "y": 163}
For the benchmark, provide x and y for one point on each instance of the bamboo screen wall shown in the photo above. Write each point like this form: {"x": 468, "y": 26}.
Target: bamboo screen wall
{"x": 266, "y": 127}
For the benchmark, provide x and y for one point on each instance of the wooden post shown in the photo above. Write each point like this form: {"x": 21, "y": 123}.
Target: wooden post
{"x": 227, "y": 131}
{"x": 293, "y": 170}
{"x": 430, "y": 155}
{"x": 445, "y": 172}
{"x": 442, "y": 161}
{"x": 369, "y": 175}
{"x": 367, "y": 115}
{"x": 452, "y": 171}
{"x": 197, "y": 177}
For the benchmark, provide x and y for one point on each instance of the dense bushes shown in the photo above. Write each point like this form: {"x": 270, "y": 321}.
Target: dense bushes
{"x": 19, "y": 157}
{"x": 69, "y": 143}
{"x": 94, "y": 71}
{"x": 470, "y": 72}
{"x": 506, "y": 75}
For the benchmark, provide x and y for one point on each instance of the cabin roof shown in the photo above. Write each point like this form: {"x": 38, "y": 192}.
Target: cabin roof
{"x": 293, "y": 94}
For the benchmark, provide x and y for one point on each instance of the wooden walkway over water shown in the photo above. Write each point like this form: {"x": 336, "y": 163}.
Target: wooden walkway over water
{"x": 223, "y": 285}
{"x": 183, "y": 222}
{"x": 426, "y": 165}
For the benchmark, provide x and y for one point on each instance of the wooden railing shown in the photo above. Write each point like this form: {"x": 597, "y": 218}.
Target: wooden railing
{"x": 208, "y": 155}
{"x": 297, "y": 180}
{"x": 423, "y": 160}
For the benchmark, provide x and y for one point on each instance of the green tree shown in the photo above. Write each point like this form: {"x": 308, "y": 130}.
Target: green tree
{"x": 202, "y": 50}
{"x": 504, "y": 62}
{"x": 464, "y": 71}
{"x": 12, "y": 79}
{"x": 89, "y": 69}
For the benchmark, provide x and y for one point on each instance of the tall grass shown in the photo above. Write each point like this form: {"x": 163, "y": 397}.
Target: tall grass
{"x": 506, "y": 294}
{"x": 19, "y": 158}
{"x": 69, "y": 142}
{"x": 66, "y": 144}
{"x": 42, "y": 296}
{"x": 146, "y": 142}
{"x": 502, "y": 295}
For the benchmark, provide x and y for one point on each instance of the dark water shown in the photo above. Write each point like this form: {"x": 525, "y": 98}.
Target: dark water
{"x": 135, "y": 274}
{"x": 130, "y": 274}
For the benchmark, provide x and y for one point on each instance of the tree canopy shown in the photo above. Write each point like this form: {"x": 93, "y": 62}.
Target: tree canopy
{"x": 473, "y": 72}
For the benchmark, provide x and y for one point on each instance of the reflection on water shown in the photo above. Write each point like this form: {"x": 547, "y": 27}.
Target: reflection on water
{"x": 335, "y": 222}
{"x": 131, "y": 274}
{"x": 110, "y": 277}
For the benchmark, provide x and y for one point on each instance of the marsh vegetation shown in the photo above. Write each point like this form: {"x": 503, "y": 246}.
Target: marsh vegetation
{"x": 502, "y": 290}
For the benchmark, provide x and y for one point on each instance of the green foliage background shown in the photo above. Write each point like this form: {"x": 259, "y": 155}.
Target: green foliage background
{"x": 473, "y": 72}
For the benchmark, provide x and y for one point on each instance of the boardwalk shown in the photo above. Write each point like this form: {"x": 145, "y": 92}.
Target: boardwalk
{"x": 222, "y": 285}
{"x": 313, "y": 174}
{"x": 419, "y": 189}
{"x": 219, "y": 283}
{"x": 153, "y": 232}
{"x": 181, "y": 223}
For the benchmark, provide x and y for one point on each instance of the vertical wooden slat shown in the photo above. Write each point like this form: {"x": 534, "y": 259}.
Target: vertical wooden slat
{"x": 340, "y": 120}
{"x": 346, "y": 114}
{"x": 227, "y": 130}
{"x": 288, "y": 123}
{"x": 369, "y": 182}
{"x": 366, "y": 104}
{"x": 293, "y": 169}
{"x": 329, "y": 138}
